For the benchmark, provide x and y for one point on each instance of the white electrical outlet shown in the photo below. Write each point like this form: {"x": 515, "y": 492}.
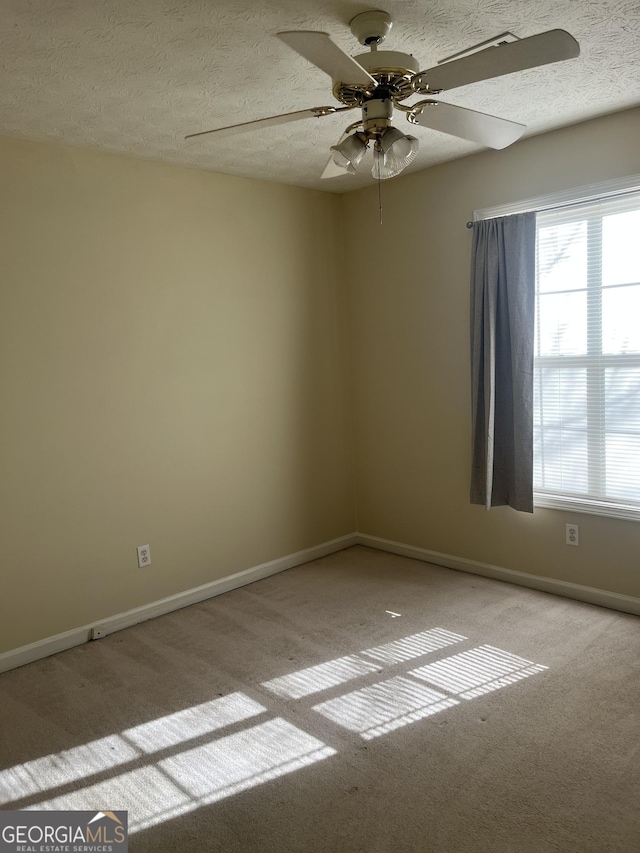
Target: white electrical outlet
{"x": 144, "y": 556}
{"x": 572, "y": 534}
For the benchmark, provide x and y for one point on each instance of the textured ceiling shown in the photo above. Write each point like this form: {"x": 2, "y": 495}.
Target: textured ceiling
{"x": 135, "y": 76}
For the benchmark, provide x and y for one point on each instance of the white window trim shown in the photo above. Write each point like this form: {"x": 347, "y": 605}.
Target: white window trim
{"x": 617, "y": 186}
{"x": 590, "y": 507}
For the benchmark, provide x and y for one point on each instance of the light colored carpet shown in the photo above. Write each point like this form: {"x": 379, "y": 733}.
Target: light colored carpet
{"x": 302, "y": 714}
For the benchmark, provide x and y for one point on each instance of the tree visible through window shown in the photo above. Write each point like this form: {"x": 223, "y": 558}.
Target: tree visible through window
{"x": 587, "y": 356}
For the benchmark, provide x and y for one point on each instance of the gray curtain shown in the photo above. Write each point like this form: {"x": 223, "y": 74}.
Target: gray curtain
{"x": 502, "y": 330}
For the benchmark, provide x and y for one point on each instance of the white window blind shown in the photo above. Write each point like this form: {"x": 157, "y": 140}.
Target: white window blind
{"x": 587, "y": 357}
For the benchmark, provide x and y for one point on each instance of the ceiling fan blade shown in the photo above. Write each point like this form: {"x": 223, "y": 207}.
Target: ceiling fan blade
{"x": 327, "y": 56}
{"x": 542, "y": 49}
{"x": 333, "y": 171}
{"x": 259, "y": 124}
{"x": 468, "y": 124}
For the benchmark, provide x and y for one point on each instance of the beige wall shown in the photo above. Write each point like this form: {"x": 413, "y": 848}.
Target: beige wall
{"x": 409, "y": 315}
{"x": 171, "y": 373}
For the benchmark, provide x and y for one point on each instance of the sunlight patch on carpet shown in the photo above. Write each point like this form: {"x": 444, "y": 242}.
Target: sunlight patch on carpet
{"x": 199, "y": 776}
{"x": 63, "y": 768}
{"x": 146, "y": 793}
{"x": 104, "y": 754}
{"x": 414, "y": 646}
{"x": 193, "y": 722}
{"x": 477, "y": 671}
{"x": 305, "y": 682}
{"x": 172, "y": 765}
{"x": 383, "y": 707}
{"x": 243, "y": 760}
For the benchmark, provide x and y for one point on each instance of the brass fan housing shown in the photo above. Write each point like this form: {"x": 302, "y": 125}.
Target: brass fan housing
{"x": 391, "y": 69}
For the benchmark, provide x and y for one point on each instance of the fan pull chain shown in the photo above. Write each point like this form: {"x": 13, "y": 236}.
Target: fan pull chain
{"x": 379, "y": 184}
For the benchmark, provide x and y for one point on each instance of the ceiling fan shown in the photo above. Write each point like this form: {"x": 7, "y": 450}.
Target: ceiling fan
{"x": 380, "y": 81}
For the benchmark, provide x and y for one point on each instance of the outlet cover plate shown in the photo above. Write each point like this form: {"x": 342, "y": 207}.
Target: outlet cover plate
{"x": 572, "y": 534}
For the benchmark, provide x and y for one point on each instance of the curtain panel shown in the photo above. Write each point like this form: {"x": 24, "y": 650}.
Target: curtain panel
{"x": 502, "y": 341}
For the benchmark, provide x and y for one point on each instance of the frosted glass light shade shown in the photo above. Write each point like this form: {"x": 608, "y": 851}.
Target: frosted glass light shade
{"x": 393, "y": 154}
{"x": 348, "y": 153}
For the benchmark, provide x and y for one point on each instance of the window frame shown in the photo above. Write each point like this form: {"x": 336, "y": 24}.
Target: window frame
{"x": 549, "y": 499}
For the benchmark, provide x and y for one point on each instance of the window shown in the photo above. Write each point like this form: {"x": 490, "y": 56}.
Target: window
{"x": 587, "y": 357}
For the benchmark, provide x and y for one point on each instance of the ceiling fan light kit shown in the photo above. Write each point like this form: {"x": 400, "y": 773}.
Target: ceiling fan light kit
{"x": 348, "y": 153}
{"x": 393, "y": 153}
{"x": 380, "y": 81}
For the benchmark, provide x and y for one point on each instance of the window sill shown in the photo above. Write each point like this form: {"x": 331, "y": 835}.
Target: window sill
{"x": 591, "y": 507}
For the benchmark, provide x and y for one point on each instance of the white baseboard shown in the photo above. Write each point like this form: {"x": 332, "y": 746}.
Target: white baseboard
{"x": 589, "y": 594}
{"x": 77, "y": 636}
